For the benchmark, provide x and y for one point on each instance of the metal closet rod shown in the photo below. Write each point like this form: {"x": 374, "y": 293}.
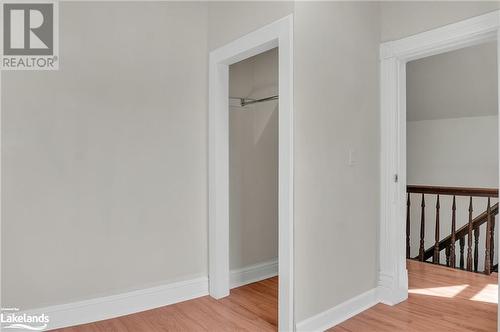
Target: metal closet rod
{"x": 247, "y": 101}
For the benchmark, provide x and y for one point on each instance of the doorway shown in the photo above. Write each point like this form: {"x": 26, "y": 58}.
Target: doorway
{"x": 452, "y": 183}
{"x": 393, "y": 279}
{"x": 276, "y": 35}
{"x": 253, "y": 169}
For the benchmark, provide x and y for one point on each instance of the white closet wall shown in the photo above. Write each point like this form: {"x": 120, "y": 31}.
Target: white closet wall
{"x": 253, "y": 161}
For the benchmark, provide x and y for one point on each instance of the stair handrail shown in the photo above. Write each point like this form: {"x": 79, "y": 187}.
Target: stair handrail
{"x": 453, "y": 191}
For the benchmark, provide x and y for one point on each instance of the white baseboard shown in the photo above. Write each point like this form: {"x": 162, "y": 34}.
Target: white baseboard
{"x": 340, "y": 313}
{"x": 88, "y": 311}
{"x": 102, "y": 308}
{"x": 253, "y": 273}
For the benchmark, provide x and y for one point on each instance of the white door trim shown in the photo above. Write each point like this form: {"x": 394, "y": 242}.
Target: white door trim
{"x": 498, "y": 83}
{"x": 393, "y": 277}
{"x": 277, "y": 34}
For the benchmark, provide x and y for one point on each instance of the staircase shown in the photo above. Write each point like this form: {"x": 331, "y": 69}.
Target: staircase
{"x": 469, "y": 233}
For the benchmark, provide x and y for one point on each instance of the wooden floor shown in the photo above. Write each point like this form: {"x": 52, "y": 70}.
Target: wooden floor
{"x": 440, "y": 299}
{"x": 253, "y": 307}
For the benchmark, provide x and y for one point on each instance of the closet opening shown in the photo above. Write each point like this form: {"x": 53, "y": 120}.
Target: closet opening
{"x": 253, "y": 184}
{"x": 250, "y": 203}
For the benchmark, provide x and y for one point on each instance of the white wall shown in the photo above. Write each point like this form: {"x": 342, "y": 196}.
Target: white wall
{"x": 460, "y": 152}
{"x": 461, "y": 83}
{"x": 336, "y": 109}
{"x": 104, "y": 162}
{"x": 253, "y": 162}
{"x": 453, "y": 152}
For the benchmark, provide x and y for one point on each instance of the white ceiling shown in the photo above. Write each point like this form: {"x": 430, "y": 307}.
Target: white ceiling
{"x": 456, "y": 84}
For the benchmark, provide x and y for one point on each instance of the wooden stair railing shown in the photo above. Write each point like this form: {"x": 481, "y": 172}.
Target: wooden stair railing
{"x": 472, "y": 228}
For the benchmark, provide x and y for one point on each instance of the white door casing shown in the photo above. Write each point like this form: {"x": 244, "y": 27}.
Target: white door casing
{"x": 278, "y": 34}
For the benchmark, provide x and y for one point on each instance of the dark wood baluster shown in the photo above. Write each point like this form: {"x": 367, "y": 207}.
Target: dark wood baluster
{"x": 462, "y": 245}
{"x": 469, "y": 238}
{"x": 447, "y": 255}
{"x": 421, "y": 250}
{"x": 408, "y": 227}
{"x": 476, "y": 248}
{"x": 492, "y": 247}
{"x": 487, "y": 260}
{"x": 453, "y": 231}
{"x": 435, "y": 258}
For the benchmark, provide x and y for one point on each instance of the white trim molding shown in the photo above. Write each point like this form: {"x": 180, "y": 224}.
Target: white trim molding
{"x": 498, "y": 85}
{"x": 340, "y": 313}
{"x": 253, "y": 273}
{"x": 108, "y": 307}
{"x": 277, "y": 34}
{"x": 454, "y": 36}
{"x": 393, "y": 276}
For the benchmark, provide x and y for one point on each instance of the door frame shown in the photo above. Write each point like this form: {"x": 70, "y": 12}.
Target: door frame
{"x": 277, "y": 34}
{"x": 393, "y": 276}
